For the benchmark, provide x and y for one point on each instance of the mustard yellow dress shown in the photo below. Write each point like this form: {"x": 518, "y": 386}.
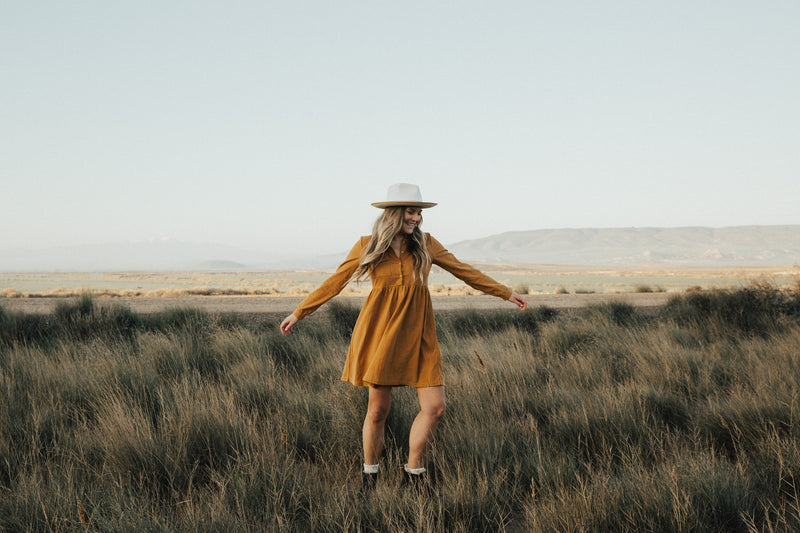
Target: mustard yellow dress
{"x": 394, "y": 340}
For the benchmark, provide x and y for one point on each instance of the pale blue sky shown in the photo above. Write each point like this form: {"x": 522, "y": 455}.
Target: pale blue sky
{"x": 273, "y": 125}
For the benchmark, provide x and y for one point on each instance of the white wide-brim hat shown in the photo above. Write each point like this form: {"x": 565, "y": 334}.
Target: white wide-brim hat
{"x": 403, "y": 194}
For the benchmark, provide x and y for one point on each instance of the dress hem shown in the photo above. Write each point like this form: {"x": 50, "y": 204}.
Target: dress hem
{"x": 365, "y": 383}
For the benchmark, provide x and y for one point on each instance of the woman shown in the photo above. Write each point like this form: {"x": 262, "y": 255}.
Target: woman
{"x": 394, "y": 340}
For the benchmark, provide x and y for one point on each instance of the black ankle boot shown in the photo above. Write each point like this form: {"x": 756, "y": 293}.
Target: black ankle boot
{"x": 415, "y": 481}
{"x": 368, "y": 481}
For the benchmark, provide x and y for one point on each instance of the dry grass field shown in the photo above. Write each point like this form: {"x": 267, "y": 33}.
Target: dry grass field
{"x": 609, "y": 417}
{"x": 530, "y": 279}
{"x": 256, "y": 305}
{"x": 252, "y": 293}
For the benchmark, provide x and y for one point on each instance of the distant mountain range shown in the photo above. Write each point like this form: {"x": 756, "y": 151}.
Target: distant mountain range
{"x": 740, "y": 245}
{"x": 144, "y": 255}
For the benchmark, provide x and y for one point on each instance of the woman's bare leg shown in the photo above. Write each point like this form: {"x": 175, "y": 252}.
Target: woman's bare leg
{"x": 375, "y": 422}
{"x": 431, "y": 409}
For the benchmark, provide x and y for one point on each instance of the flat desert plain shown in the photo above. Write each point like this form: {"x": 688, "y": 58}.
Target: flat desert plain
{"x": 258, "y": 292}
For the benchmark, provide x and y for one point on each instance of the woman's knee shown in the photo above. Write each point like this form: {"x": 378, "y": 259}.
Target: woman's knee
{"x": 435, "y": 409}
{"x": 377, "y": 413}
{"x": 431, "y": 401}
{"x": 378, "y": 406}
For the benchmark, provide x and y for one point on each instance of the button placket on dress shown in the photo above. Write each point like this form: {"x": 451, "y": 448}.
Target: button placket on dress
{"x": 400, "y": 263}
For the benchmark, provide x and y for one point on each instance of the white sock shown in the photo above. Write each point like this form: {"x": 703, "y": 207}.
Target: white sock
{"x": 371, "y": 469}
{"x": 414, "y": 471}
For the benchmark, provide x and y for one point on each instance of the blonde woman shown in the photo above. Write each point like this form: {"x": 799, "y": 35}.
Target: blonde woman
{"x": 394, "y": 340}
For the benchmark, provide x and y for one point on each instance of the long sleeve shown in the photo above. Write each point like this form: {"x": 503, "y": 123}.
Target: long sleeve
{"x": 469, "y": 275}
{"x": 334, "y": 284}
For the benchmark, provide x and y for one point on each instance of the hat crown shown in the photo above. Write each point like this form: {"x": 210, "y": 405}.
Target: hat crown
{"x": 401, "y": 194}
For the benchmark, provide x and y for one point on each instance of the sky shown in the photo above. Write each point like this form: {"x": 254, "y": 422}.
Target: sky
{"x": 272, "y": 126}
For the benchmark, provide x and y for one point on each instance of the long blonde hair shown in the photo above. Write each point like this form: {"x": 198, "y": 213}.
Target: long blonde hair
{"x": 386, "y": 227}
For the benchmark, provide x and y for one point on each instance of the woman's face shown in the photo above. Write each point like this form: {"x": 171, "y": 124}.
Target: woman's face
{"x": 412, "y": 216}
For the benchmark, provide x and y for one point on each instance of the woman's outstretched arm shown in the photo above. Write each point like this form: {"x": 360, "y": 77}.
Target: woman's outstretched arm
{"x": 327, "y": 290}
{"x": 471, "y": 275}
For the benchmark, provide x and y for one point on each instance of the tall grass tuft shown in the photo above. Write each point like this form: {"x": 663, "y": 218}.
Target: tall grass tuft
{"x": 759, "y": 309}
{"x": 604, "y": 419}
{"x": 343, "y": 317}
{"x": 479, "y": 322}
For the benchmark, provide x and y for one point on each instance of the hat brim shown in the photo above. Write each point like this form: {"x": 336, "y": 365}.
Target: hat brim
{"x": 423, "y": 205}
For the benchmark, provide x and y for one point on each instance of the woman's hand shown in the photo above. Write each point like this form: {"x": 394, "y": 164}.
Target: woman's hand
{"x": 288, "y": 323}
{"x": 518, "y": 300}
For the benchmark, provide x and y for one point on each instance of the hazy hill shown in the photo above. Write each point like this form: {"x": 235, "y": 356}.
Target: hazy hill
{"x": 744, "y": 245}
{"x": 144, "y": 255}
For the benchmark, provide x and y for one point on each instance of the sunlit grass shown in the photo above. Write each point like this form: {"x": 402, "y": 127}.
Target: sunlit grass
{"x": 607, "y": 418}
